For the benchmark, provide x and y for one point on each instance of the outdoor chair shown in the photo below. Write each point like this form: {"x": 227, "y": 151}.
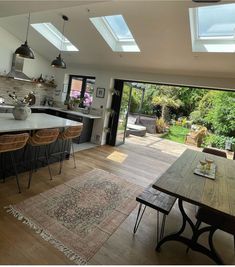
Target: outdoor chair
{"x": 220, "y": 221}
{"x": 195, "y": 138}
{"x": 215, "y": 152}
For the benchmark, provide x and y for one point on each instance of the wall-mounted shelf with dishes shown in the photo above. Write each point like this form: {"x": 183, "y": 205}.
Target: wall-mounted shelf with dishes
{"x": 34, "y": 81}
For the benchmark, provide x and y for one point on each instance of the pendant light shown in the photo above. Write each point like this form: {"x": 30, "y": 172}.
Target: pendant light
{"x": 24, "y": 50}
{"x": 59, "y": 62}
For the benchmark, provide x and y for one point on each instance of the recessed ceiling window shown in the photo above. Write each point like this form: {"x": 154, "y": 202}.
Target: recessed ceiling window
{"x": 116, "y": 33}
{"x": 213, "y": 28}
{"x": 54, "y": 36}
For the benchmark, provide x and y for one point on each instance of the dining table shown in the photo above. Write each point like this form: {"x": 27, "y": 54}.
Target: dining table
{"x": 216, "y": 194}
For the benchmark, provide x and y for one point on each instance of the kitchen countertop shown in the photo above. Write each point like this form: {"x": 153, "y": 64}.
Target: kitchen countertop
{"x": 35, "y": 121}
{"x": 90, "y": 116}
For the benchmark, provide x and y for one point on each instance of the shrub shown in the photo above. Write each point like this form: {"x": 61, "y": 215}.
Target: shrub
{"x": 217, "y": 141}
{"x": 195, "y": 116}
{"x": 160, "y": 125}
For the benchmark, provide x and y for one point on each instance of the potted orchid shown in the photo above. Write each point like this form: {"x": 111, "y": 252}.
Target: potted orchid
{"x": 76, "y": 101}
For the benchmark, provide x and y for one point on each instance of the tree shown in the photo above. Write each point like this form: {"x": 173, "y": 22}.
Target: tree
{"x": 218, "y": 111}
{"x": 166, "y": 99}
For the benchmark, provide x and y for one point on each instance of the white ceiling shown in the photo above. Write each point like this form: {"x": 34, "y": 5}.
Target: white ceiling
{"x": 160, "y": 28}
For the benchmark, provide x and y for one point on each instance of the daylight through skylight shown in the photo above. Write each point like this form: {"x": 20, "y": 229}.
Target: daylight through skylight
{"x": 213, "y": 28}
{"x": 116, "y": 33}
{"x": 216, "y": 21}
{"x": 54, "y": 36}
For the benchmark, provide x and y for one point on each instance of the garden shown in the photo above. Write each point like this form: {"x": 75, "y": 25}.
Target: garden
{"x": 182, "y": 112}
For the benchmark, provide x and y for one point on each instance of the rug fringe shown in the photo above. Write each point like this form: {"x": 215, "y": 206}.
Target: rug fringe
{"x": 73, "y": 256}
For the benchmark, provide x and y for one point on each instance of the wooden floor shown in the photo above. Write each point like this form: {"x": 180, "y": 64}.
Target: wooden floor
{"x": 136, "y": 161}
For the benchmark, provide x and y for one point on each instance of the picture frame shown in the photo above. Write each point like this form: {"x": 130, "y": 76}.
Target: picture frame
{"x": 100, "y": 92}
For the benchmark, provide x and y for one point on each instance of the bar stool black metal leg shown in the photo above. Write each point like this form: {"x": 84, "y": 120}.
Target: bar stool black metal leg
{"x": 31, "y": 166}
{"x": 138, "y": 220}
{"x": 61, "y": 155}
{"x": 16, "y": 173}
{"x": 47, "y": 160}
{"x": 74, "y": 159}
{"x": 3, "y": 167}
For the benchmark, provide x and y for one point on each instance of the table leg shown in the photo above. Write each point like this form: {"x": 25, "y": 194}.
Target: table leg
{"x": 192, "y": 243}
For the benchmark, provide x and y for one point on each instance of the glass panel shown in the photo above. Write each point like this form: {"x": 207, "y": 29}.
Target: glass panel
{"x": 119, "y": 27}
{"x": 216, "y": 21}
{"x": 54, "y": 36}
{"x": 76, "y": 87}
{"x": 88, "y": 95}
{"x": 123, "y": 115}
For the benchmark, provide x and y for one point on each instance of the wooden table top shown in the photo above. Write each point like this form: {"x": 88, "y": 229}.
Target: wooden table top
{"x": 180, "y": 181}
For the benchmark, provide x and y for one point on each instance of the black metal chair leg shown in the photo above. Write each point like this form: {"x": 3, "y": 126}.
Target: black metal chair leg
{"x": 234, "y": 244}
{"x": 16, "y": 173}
{"x": 138, "y": 220}
{"x": 157, "y": 226}
{"x": 47, "y": 160}
{"x": 163, "y": 226}
{"x": 74, "y": 159}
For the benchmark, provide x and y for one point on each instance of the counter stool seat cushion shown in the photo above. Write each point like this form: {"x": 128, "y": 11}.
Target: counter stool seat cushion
{"x": 71, "y": 132}
{"x": 44, "y": 137}
{"x": 12, "y": 142}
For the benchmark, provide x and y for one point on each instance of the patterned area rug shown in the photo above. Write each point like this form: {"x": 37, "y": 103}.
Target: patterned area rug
{"x": 78, "y": 216}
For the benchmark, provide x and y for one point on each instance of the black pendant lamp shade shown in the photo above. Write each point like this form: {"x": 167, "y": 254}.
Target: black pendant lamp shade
{"x": 59, "y": 62}
{"x": 24, "y": 50}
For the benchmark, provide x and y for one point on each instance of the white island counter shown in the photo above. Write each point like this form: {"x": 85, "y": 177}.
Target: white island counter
{"x": 35, "y": 121}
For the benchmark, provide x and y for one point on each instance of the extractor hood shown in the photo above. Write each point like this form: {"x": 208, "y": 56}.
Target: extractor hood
{"x": 17, "y": 69}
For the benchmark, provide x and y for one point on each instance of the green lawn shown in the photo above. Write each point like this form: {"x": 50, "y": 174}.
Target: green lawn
{"x": 176, "y": 133}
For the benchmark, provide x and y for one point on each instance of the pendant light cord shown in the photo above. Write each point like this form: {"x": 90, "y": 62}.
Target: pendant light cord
{"x": 28, "y": 27}
{"x": 62, "y": 39}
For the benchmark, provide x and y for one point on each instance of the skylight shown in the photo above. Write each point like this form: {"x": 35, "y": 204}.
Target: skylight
{"x": 116, "y": 33}
{"x": 213, "y": 28}
{"x": 54, "y": 36}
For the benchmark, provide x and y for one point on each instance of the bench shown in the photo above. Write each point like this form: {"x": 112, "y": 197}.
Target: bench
{"x": 157, "y": 200}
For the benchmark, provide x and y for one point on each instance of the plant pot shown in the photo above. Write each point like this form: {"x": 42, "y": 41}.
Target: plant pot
{"x": 21, "y": 112}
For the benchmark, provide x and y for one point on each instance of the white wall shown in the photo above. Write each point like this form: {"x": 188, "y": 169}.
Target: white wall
{"x": 32, "y": 67}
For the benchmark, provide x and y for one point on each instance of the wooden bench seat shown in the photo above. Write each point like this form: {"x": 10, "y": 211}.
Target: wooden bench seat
{"x": 156, "y": 200}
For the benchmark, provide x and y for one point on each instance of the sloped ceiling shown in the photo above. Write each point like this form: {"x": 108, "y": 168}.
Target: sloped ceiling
{"x": 160, "y": 28}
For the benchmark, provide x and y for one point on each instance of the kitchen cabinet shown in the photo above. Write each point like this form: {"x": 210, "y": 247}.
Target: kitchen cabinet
{"x": 87, "y": 122}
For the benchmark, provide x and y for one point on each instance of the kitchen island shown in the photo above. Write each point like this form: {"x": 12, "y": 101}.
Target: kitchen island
{"x": 86, "y": 119}
{"x": 37, "y": 121}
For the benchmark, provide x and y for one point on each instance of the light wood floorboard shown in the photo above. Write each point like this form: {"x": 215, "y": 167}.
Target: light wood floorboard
{"x": 139, "y": 163}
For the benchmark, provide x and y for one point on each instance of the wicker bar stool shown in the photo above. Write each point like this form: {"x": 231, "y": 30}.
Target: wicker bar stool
{"x": 68, "y": 135}
{"x": 41, "y": 138}
{"x": 11, "y": 143}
